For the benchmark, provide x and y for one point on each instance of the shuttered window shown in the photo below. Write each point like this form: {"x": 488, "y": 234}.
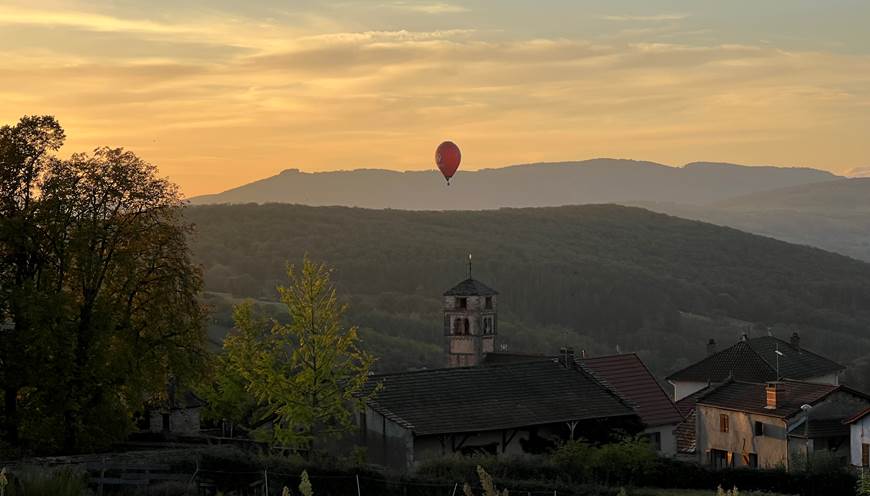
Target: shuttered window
{"x": 723, "y": 423}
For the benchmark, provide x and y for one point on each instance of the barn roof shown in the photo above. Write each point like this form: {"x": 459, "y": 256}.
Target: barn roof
{"x": 474, "y": 399}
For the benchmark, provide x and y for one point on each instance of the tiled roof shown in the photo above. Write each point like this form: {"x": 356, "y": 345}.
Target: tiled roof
{"x": 503, "y": 357}
{"x": 754, "y": 360}
{"x": 857, "y": 417}
{"x": 472, "y": 399}
{"x": 628, "y": 375}
{"x": 470, "y": 287}
{"x": 751, "y": 397}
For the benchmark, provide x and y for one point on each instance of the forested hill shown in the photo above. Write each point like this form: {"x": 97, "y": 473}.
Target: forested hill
{"x": 529, "y": 185}
{"x": 596, "y": 276}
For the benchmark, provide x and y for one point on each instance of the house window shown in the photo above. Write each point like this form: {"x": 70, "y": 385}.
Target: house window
{"x": 655, "y": 440}
{"x": 488, "y": 302}
{"x": 723, "y": 423}
{"x": 759, "y": 428}
{"x": 461, "y": 302}
{"x": 865, "y": 455}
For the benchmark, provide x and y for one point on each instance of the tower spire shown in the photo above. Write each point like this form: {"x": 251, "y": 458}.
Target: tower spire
{"x": 469, "y": 265}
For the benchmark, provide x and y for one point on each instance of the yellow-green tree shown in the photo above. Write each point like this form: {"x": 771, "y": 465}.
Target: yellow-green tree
{"x": 310, "y": 371}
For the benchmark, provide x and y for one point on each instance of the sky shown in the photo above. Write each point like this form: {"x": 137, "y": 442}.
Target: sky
{"x": 218, "y": 93}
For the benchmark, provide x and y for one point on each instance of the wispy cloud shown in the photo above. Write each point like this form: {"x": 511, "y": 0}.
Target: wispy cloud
{"x": 644, "y": 18}
{"x": 430, "y": 8}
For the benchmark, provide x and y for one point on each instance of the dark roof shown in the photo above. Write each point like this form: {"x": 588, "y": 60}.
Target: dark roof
{"x": 473, "y": 399}
{"x": 502, "y": 357}
{"x": 754, "y": 360}
{"x": 687, "y": 405}
{"x": 628, "y": 375}
{"x": 752, "y": 397}
{"x": 857, "y": 417}
{"x": 470, "y": 287}
{"x": 822, "y": 428}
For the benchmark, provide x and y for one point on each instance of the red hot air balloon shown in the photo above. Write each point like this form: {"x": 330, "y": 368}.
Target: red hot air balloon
{"x": 447, "y": 158}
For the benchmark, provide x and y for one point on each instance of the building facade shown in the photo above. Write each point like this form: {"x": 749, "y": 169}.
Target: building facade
{"x": 773, "y": 425}
{"x": 859, "y": 436}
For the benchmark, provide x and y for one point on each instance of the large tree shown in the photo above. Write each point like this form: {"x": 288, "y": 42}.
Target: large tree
{"x": 110, "y": 313}
{"x": 310, "y": 371}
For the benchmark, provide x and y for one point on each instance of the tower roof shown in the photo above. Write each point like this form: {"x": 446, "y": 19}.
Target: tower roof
{"x": 470, "y": 287}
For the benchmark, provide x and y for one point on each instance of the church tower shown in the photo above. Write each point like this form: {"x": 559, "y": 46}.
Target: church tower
{"x": 470, "y": 323}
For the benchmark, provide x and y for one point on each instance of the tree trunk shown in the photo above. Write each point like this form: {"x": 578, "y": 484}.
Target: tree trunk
{"x": 10, "y": 407}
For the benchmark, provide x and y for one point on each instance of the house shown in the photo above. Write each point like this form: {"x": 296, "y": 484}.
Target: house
{"x": 859, "y": 429}
{"x": 757, "y": 360}
{"x": 633, "y": 381}
{"x": 514, "y": 408}
{"x": 773, "y": 424}
{"x": 178, "y": 414}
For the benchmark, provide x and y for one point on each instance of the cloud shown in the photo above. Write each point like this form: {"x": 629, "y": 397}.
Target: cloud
{"x": 337, "y": 98}
{"x": 430, "y": 8}
{"x": 646, "y": 18}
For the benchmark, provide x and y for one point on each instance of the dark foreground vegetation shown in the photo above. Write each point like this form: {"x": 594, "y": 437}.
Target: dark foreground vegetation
{"x": 571, "y": 471}
{"x": 596, "y": 277}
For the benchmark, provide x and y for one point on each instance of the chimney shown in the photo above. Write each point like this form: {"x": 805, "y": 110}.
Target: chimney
{"x": 796, "y": 341}
{"x": 775, "y": 395}
{"x": 566, "y": 357}
{"x": 711, "y": 346}
{"x": 744, "y": 337}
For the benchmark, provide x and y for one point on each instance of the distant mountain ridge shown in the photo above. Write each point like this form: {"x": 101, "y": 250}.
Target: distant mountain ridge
{"x": 527, "y": 185}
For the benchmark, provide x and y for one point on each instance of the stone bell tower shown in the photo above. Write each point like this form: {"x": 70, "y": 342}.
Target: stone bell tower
{"x": 470, "y": 321}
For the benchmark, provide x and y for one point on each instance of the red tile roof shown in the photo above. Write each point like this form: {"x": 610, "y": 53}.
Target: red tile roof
{"x": 633, "y": 381}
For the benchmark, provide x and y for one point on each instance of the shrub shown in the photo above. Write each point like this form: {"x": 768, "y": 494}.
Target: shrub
{"x": 43, "y": 480}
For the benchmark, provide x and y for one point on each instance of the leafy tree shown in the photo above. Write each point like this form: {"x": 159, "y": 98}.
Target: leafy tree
{"x": 25, "y": 153}
{"x": 99, "y": 290}
{"x": 308, "y": 371}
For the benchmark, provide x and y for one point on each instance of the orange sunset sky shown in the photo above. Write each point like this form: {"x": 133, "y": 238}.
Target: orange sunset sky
{"x": 219, "y": 93}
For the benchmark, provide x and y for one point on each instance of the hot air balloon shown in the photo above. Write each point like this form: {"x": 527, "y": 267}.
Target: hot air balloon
{"x": 447, "y": 158}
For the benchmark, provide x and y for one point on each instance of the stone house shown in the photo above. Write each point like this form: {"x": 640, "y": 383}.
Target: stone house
{"x": 774, "y": 424}
{"x": 178, "y": 414}
{"x": 859, "y": 430}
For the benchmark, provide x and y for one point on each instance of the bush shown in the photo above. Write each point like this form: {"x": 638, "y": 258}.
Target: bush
{"x": 42, "y": 480}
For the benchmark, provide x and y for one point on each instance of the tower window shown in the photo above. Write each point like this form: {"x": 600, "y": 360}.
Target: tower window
{"x": 467, "y": 327}
{"x": 461, "y": 302}
{"x": 457, "y": 326}
{"x": 487, "y": 325}
{"x": 488, "y": 303}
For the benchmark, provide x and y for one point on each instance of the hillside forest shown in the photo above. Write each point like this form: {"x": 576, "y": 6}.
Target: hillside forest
{"x": 602, "y": 278}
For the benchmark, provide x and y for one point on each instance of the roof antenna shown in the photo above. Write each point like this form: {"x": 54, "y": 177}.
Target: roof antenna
{"x": 469, "y": 265}
{"x": 778, "y": 354}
